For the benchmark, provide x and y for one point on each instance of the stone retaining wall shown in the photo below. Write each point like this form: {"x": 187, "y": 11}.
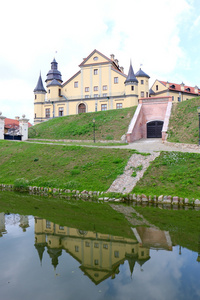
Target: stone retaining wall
{"x": 101, "y": 196}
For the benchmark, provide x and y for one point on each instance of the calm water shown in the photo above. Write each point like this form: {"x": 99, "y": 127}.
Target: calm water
{"x": 42, "y": 260}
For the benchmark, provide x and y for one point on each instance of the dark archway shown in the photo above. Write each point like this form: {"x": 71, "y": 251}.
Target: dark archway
{"x": 81, "y": 108}
{"x": 154, "y": 129}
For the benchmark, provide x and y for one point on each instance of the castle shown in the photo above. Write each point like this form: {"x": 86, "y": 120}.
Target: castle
{"x": 99, "y": 85}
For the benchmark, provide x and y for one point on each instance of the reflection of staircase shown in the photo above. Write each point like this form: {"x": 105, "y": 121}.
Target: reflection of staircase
{"x": 148, "y": 110}
{"x": 153, "y": 238}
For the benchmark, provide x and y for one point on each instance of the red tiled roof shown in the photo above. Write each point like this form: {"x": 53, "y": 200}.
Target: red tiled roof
{"x": 13, "y": 122}
{"x": 177, "y": 87}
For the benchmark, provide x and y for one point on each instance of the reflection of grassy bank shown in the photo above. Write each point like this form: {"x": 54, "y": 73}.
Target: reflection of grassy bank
{"x": 183, "y": 225}
{"x": 172, "y": 173}
{"x": 77, "y": 214}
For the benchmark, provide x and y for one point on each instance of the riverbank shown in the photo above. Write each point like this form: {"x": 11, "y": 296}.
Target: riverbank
{"x": 97, "y": 196}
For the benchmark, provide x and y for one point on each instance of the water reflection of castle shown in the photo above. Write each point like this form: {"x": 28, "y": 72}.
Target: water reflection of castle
{"x": 100, "y": 255}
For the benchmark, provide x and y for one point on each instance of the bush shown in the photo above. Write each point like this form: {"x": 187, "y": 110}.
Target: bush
{"x": 21, "y": 184}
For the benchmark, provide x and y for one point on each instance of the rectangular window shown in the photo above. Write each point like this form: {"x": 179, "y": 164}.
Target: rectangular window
{"x": 116, "y": 80}
{"x": 87, "y": 244}
{"x": 47, "y": 112}
{"x": 179, "y": 99}
{"x": 156, "y": 87}
{"x": 132, "y": 88}
{"x": 35, "y": 97}
{"x": 172, "y": 98}
{"x": 103, "y": 107}
{"x": 87, "y": 96}
{"x": 96, "y": 245}
{"x": 61, "y": 227}
{"x": 105, "y": 95}
{"x": 147, "y": 94}
{"x": 59, "y": 92}
{"x": 96, "y": 262}
{"x": 95, "y": 71}
{"x": 75, "y": 84}
{"x": 116, "y": 254}
{"x": 118, "y": 105}
{"x": 95, "y": 88}
{"x": 142, "y": 81}
{"x": 87, "y": 89}
{"x": 76, "y": 248}
{"x": 105, "y": 87}
{"x": 105, "y": 246}
{"x": 142, "y": 94}
{"x": 60, "y": 111}
{"x": 48, "y": 224}
{"x": 96, "y": 95}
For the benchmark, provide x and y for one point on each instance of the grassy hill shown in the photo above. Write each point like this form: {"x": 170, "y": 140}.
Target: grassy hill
{"x": 184, "y": 124}
{"x": 70, "y": 167}
{"x": 109, "y": 125}
{"x": 113, "y": 124}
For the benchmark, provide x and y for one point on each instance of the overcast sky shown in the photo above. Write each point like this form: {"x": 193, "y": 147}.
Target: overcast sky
{"x": 162, "y": 35}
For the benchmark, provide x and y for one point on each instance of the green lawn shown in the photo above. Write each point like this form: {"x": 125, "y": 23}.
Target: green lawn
{"x": 109, "y": 125}
{"x": 172, "y": 173}
{"x": 72, "y": 167}
{"x": 184, "y": 124}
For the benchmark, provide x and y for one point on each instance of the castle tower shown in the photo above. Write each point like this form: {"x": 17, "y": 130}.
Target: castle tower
{"x": 131, "y": 88}
{"x": 54, "y": 86}
{"x": 39, "y": 100}
{"x": 53, "y": 73}
{"x": 143, "y": 84}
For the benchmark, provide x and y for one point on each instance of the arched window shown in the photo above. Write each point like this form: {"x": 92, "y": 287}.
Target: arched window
{"x": 81, "y": 108}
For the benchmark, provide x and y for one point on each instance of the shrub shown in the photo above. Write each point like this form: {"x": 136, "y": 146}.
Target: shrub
{"x": 21, "y": 184}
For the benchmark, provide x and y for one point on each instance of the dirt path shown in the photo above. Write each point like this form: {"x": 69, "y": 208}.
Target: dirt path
{"x": 138, "y": 164}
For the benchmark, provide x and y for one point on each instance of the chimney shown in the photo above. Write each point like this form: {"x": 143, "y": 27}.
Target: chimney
{"x": 196, "y": 89}
{"x": 122, "y": 69}
{"x": 17, "y": 118}
{"x": 167, "y": 84}
{"x": 112, "y": 57}
{"x": 116, "y": 62}
{"x": 182, "y": 87}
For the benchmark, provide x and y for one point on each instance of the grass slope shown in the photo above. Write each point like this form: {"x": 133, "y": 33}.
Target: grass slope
{"x": 172, "y": 173}
{"x": 72, "y": 167}
{"x": 76, "y": 214}
{"x": 109, "y": 125}
{"x": 184, "y": 124}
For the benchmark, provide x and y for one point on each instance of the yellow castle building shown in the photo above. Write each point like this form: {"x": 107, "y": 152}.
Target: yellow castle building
{"x": 99, "y": 85}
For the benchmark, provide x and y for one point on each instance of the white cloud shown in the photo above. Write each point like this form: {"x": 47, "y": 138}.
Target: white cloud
{"x": 145, "y": 31}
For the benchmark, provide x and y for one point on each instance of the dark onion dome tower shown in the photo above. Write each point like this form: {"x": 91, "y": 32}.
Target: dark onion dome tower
{"x": 54, "y": 73}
